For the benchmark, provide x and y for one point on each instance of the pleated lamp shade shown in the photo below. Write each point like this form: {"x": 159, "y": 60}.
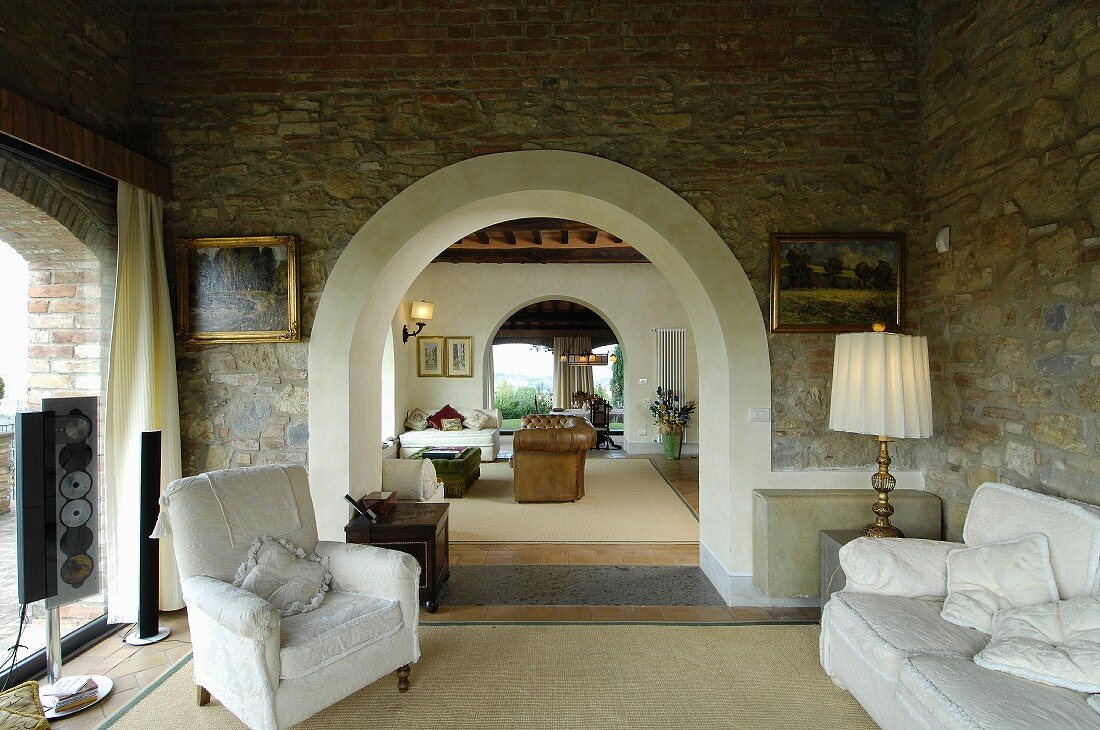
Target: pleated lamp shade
{"x": 881, "y": 385}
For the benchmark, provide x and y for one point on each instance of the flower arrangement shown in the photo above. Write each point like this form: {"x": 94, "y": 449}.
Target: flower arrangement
{"x": 670, "y": 414}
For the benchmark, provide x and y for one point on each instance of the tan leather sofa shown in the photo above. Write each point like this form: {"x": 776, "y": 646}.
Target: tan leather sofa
{"x": 548, "y": 458}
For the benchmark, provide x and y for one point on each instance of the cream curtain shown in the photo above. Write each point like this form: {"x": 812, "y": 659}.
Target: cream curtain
{"x": 489, "y": 373}
{"x": 568, "y": 379}
{"x": 141, "y": 396}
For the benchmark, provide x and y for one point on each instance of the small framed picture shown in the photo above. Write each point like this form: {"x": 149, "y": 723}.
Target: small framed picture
{"x": 460, "y": 362}
{"x": 837, "y": 282}
{"x": 429, "y": 357}
{"x": 241, "y": 289}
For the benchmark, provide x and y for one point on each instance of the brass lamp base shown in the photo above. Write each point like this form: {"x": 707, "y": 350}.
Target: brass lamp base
{"x": 883, "y": 483}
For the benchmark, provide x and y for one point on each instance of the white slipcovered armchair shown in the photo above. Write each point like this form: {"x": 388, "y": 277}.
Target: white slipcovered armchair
{"x": 272, "y": 671}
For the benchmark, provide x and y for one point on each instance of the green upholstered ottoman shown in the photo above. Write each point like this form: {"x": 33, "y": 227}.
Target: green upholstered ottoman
{"x": 457, "y": 474}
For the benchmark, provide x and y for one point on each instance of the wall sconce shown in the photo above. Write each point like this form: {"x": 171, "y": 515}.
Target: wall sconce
{"x": 420, "y": 312}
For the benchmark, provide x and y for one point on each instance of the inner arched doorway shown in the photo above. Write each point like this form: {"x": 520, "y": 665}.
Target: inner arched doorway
{"x": 381, "y": 261}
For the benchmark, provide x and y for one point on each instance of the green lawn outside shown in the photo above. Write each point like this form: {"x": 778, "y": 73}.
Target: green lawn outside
{"x": 511, "y": 424}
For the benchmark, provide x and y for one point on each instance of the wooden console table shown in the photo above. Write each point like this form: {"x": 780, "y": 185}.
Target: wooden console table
{"x": 416, "y": 528}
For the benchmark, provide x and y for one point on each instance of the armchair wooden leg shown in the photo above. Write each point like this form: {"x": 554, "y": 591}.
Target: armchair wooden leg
{"x": 403, "y": 678}
{"x": 202, "y": 695}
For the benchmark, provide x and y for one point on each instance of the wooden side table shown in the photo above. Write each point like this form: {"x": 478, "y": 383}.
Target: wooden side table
{"x": 832, "y": 575}
{"x": 416, "y": 528}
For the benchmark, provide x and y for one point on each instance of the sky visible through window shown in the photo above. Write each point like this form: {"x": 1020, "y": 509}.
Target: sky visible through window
{"x": 524, "y": 365}
{"x": 13, "y": 331}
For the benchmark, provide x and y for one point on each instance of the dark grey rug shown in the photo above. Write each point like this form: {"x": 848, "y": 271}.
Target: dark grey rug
{"x": 578, "y": 585}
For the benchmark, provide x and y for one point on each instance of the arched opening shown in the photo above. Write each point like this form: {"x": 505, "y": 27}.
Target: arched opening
{"x": 381, "y": 261}
{"x": 61, "y": 231}
{"x": 550, "y": 323}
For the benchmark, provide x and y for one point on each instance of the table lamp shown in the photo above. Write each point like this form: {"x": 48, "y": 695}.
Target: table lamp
{"x": 881, "y": 387}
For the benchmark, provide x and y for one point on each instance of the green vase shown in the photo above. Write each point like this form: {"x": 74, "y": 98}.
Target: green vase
{"x": 674, "y": 442}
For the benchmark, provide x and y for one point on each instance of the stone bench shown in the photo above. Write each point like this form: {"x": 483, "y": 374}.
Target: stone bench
{"x": 786, "y": 548}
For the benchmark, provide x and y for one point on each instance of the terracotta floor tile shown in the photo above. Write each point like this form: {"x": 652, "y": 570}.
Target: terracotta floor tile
{"x": 499, "y": 558}
{"x": 468, "y": 613}
{"x": 539, "y": 613}
{"x": 643, "y": 613}
{"x": 504, "y": 613}
{"x": 713, "y": 613}
{"x": 783, "y": 613}
{"x": 608, "y": 613}
{"x": 679, "y": 613}
{"x": 748, "y": 613}
{"x": 573, "y": 613}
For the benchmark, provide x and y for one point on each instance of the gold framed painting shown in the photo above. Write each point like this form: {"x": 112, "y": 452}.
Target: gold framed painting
{"x": 430, "y": 357}
{"x": 242, "y": 289}
{"x": 837, "y": 282}
{"x": 460, "y": 357}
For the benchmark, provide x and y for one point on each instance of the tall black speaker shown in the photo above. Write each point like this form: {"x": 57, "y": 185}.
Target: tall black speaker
{"x": 148, "y": 631}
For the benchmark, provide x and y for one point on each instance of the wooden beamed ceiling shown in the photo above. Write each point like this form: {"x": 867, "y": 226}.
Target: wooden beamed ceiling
{"x": 541, "y": 241}
{"x": 540, "y": 322}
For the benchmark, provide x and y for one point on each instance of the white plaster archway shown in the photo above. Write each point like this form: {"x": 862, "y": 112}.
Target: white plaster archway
{"x": 384, "y": 257}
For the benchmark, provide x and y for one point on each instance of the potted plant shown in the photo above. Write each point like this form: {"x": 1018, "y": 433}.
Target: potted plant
{"x": 671, "y": 415}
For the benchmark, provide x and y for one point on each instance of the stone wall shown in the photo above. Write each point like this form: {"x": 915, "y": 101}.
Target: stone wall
{"x": 303, "y": 118}
{"x": 72, "y": 57}
{"x": 1010, "y": 141}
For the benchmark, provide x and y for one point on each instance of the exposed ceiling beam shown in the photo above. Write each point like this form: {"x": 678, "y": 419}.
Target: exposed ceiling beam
{"x": 562, "y": 255}
{"x": 482, "y": 237}
{"x": 564, "y": 236}
{"x": 510, "y": 237}
{"x": 592, "y": 236}
{"x": 536, "y": 236}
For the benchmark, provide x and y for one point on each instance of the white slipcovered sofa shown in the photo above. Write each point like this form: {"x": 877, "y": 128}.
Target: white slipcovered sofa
{"x": 883, "y": 640}
{"x": 487, "y": 439}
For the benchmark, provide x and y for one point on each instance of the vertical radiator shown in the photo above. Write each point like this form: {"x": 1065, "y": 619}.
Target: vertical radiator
{"x": 671, "y": 374}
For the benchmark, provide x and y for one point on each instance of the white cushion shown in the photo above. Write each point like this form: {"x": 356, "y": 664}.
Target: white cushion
{"x": 346, "y": 622}
{"x": 417, "y": 420}
{"x": 984, "y": 580}
{"x": 431, "y": 437}
{"x": 942, "y": 692}
{"x": 284, "y": 576}
{"x": 905, "y": 567}
{"x": 1057, "y": 643}
{"x": 885, "y": 630}
{"x": 477, "y": 420}
{"x": 999, "y": 512}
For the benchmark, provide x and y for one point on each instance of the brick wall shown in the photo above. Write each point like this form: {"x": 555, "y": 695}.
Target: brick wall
{"x": 71, "y": 56}
{"x": 305, "y": 118}
{"x": 1010, "y": 141}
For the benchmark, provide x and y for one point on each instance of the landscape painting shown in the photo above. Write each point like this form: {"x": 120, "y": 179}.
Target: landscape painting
{"x": 238, "y": 289}
{"x": 837, "y": 282}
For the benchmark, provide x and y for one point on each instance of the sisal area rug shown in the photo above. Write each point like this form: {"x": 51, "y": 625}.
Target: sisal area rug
{"x": 626, "y": 500}
{"x": 569, "y": 676}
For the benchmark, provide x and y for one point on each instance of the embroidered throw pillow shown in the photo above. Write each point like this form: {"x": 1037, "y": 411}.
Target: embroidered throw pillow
{"x": 452, "y": 424}
{"x": 417, "y": 420}
{"x": 436, "y": 419}
{"x": 477, "y": 420}
{"x": 984, "y": 580}
{"x": 1056, "y": 643}
{"x": 284, "y": 576}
